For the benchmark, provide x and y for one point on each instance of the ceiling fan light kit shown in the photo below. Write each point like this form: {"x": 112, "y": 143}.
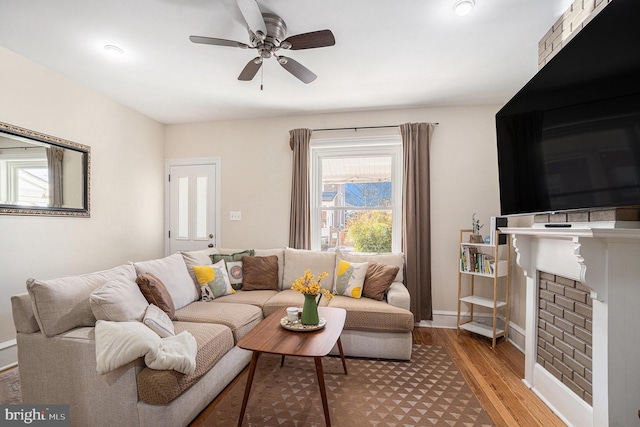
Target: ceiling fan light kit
{"x": 463, "y": 7}
{"x": 268, "y": 34}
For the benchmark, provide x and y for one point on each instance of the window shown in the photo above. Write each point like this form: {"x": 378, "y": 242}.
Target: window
{"x": 26, "y": 181}
{"x": 356, "y": 193}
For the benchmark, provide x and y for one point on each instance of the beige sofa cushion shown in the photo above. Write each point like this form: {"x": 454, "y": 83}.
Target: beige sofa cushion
{"x": 396, "y": 259}
{"x": 286, "y": 298}
{"x": 366, "y": 314}
{"x": 240, "y": 318}
{"x": 257, "y": 298}
{"x": 62, "y": 304}
{"x": 161, "y": 387}
{"x": 296, "y": 261}
{"x": 172, "y": 272}
{"x": 118, "y": 300}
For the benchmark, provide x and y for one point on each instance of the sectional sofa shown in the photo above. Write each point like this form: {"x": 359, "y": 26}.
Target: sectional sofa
{"x": 56, "y": 320}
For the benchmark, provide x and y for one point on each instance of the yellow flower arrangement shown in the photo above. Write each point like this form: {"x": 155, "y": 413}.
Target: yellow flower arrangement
{"x": 307, "y": 284}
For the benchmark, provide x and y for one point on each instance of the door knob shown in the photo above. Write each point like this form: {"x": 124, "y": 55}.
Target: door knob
{"x": 210, "y": 245}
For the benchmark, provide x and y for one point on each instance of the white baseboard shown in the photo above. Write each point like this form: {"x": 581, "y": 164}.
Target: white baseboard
{"x": 8, "y": 354}
{"x": 449, "y": 320}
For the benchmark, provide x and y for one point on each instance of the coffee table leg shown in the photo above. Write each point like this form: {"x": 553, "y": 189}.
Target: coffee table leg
{"x": 247, "y": 388}
{"x": 323, "y": 390}
{"x": 344, "y": 362}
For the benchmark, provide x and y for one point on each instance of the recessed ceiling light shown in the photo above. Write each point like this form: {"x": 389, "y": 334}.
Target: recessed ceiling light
{"x": 113, "y": 50}
{"x": 463, "y": 7}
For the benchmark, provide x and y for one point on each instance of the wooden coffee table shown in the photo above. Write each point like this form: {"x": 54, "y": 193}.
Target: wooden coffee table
{"x": 270, "y": 337}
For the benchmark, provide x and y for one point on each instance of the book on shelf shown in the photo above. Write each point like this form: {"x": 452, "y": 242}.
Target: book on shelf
{"x": 473, "y": 261}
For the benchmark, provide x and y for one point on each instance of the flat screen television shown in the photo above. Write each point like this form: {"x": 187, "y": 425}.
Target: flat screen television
{"x": 570, "y": 138}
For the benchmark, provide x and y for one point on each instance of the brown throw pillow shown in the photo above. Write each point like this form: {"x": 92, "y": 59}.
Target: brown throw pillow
{"x": 260, "y": 273}
{"x": 156, "y": 293}
{"x": 378, "y": 279}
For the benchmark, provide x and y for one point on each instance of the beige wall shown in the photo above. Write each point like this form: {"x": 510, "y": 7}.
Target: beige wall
{"x": 256, "y": 173}
{"x": 126, "y": 182}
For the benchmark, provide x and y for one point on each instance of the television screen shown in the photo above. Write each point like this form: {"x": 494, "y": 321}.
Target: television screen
{"x": 570, "y": 139}
{"x": 584, "y": 156}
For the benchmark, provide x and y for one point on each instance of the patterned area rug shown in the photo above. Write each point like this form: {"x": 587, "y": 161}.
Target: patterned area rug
{"x": 426, "y": 391}
{"x": 10, "y": 387}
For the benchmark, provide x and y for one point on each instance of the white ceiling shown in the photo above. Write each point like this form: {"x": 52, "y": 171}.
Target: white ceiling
{"x": 388, "y": 54}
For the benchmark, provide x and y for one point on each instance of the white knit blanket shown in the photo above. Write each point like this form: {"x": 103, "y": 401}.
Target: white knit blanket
{"x": 118, "y": 343}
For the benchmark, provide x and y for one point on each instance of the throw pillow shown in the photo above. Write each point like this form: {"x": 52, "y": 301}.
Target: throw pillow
{"x": 234, "y": 258}
{"x": 384, "y": 258}
{"x": 260, "y": 273}
{"x": 158, "y": 321}
{"x": 378, "y": 279}
{"x": 174, "y": 274}
{"x": 234, "y": 268}
{"x": 349, "y": 278}
{"x": 213, "y": 280}
{"x": 118, "y": 300}
{"x": 156, "y": 293}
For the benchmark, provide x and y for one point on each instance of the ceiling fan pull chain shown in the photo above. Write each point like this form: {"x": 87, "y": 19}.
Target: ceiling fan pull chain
{"x": 261, "y": 78}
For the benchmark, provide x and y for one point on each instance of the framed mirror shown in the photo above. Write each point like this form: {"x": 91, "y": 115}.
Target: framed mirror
{"x": 42, "y": 174}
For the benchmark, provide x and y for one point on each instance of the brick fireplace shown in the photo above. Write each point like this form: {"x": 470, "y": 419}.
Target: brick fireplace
{"x": 565, "y": 325}
{"x": 582, "y": 338}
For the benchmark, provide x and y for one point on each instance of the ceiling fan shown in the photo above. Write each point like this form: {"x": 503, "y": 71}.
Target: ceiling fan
{"x": 267, "y": 33}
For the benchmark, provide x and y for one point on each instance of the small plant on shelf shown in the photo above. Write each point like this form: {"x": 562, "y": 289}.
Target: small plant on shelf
{"x": 475, "y": 226}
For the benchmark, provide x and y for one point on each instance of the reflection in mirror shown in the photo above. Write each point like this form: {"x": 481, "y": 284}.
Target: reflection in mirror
{"x": 42, "y": 175}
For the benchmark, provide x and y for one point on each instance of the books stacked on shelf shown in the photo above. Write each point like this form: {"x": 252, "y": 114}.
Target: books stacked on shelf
{"x": 473, "y": 261}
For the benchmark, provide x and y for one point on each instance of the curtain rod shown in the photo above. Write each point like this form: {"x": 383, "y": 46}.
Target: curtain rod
{"x": 362, "y": 127}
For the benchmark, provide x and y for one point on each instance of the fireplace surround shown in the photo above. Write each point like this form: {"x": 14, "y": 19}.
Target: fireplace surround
{"x": 605, "y": 264}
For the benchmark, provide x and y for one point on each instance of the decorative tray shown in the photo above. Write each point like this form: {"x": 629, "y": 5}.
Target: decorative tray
{"x": 299, "y": 327}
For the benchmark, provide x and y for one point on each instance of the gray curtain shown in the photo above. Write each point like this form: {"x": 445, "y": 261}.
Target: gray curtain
{"x": 300, "y": 216}
{"x": 416, "y": 224}
{"x": 54, "y": 166}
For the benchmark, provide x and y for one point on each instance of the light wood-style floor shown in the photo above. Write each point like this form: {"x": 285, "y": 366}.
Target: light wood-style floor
{"x": 495, "y": 376}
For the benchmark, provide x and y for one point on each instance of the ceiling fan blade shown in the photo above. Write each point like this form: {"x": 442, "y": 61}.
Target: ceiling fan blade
{"x": 297, "y": 69}
{"x": 250, "y": 70}
{"x": 311, "y": 40}
{"x": 218, "y": 42}
{"x": 251, "y": 13}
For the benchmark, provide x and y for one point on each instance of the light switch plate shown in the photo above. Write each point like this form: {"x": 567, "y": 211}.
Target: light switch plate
{"x": 235, "y": 216}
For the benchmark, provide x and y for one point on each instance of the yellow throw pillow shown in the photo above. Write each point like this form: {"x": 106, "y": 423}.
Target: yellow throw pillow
{"x": 213, "y": 280}
{"x": 349, "y": 278}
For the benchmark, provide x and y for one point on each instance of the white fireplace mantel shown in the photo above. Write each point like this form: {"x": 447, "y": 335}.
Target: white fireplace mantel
{"x": 607, "y": 261}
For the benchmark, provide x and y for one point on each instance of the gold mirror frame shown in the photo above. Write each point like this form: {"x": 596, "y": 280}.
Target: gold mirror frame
{"x": 43, "y": 140}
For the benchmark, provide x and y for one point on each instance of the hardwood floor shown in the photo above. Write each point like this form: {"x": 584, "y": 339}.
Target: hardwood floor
{"x": 495, "y": 376}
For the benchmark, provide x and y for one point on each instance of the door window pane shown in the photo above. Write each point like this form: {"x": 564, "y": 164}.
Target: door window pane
{"x": 183, "y": 207}
{"x": 201, "y": 207}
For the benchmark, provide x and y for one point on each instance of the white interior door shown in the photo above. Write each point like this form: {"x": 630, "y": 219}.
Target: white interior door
{"x": 192, "y": 206}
